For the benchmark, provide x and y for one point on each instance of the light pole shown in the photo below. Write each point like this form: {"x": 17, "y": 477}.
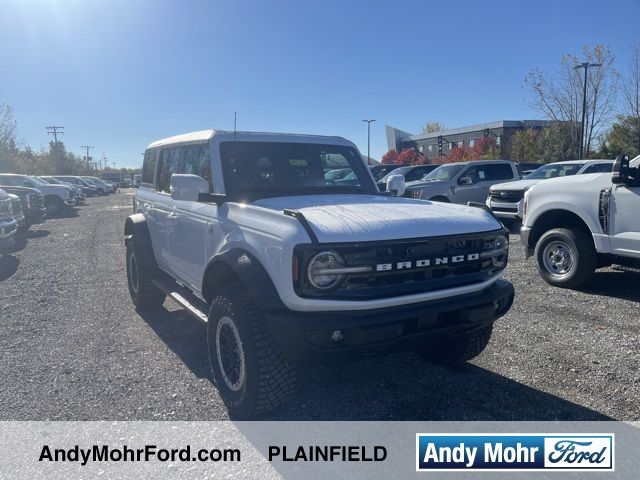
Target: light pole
{"x": 586, "y": 66}
{"x": 368, "y": 138}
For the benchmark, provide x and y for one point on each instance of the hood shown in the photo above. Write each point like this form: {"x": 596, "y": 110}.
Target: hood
{"x": 19, "y": 190}
{"x": 517, "y": 185}
{"x": 3, "y": 195}
{"x": 361, "y": 218}
{"x": 55, "y": 189}
{"x": 422, "y": 183}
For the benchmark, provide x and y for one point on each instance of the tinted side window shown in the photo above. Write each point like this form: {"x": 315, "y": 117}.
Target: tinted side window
{"x": 476, "y": 173}
{"x": 195, "y": 161}
{"x": 169, "y": 160}
{"x": 149, "y": 166}
{"x": 499, "y": 172}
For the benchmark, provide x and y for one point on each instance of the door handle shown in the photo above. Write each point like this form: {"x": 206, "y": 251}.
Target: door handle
{"x": 172, "y": 216}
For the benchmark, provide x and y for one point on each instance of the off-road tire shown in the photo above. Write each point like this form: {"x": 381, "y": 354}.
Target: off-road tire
{"x": 54, "y": 205}
{"x": 144, "y": 294}
{"x": 585, "y": 257}
{"x": 269, "y": 380}
{"x": 457, "y": 349}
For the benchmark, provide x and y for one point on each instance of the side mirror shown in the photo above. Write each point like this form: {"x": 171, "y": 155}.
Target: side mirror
{"x": 620, "y": 171}
{"x": 465, "y": 181}
{"x": 396, "y": 185}
{"x": 187, "y": 187}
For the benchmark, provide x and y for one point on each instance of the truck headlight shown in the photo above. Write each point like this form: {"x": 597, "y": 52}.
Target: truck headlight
{"x": 325, "y": 270}
{"x": 501, "y": 249}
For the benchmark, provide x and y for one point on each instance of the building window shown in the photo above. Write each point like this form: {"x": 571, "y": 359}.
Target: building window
{"x": 472, "y": 142}
{"x": 421, "y": 148}
{"x": 498, "y": 140}
{"x": 460, "y": 144}
{"x": 430, "y": 148}
{"x": 450, "y": 145}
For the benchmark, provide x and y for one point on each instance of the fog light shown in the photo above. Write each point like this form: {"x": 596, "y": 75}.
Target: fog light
{"x": 337, "y": 336}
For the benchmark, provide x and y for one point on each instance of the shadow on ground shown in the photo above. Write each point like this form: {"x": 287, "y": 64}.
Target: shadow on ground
{"x": 8, "y": 266}
{"x": 396, "y": 387}
{"x": 616, "y": 284}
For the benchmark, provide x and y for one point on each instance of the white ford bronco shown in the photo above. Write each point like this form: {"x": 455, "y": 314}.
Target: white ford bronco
{"x": 252, "y": 234}
{"x": 576, "y": 224}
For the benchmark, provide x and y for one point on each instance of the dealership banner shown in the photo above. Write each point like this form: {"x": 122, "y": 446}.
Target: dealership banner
{"x": 309, "y": 450}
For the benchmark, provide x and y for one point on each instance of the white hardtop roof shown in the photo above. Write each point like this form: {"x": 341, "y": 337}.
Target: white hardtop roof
{"x": 593, "y": 160}
{"x": 204, "y": 136}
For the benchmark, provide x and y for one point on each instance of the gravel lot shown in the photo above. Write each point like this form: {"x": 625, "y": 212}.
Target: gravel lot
{"x": 73, "y": 347}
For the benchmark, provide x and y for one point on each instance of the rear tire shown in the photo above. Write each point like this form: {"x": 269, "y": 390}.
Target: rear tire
{"x": 566, "y": 258}
{"x": 140, "y": 272}
{"x": 251, "y": 373}
{"x": 458, "y": 349}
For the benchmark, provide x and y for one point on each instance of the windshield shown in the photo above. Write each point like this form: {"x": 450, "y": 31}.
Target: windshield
{"x": 443, "y": 172}
{"x": 264, "y": 169}
{"x": 54, "y": 181}
{"x": 553, "y": 170}
{"x": 380, "y": 171}
{"x": 38, "y": 181}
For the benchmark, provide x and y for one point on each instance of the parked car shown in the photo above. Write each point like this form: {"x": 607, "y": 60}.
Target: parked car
{"x": 409, "y": 172}
{"x": 81, "y": 196}
{"x": 57, "y": 198}
{"x": 32, "y": 201}
{"x": 524, "y": 168}
{"x": 136, "y": 180}
{"x": 102, "y": 187}
{"x": 379, "y": 171}
{"x": 462, "y": 182}
{"x": 89, "y": 189}
{"x": 575, "y": 224}
{"x": 288, "y": 267}
{"x": 18, "y": 215}
{"x": 506, "y": 199}
{"x": 8, "y": 225}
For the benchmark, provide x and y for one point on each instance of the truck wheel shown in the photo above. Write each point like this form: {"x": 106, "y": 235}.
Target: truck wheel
{"x": 565, "y": 258}
{"x": 144, "y": 294}
{"x": 456, "y": 349}
{"x": 54, "y": 205}
{"x": 251, "y": 373}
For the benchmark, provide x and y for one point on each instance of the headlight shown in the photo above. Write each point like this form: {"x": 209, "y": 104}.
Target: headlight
{"x": 501, "y": 248}
{"x": 324, "y": 270}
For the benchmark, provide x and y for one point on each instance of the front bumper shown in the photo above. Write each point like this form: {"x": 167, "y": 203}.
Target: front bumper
{"x": 7, "y": 230}
{"x": 305, "y": 337}
{"x": 35, "y": 215}
{"x": 512, "y": 211}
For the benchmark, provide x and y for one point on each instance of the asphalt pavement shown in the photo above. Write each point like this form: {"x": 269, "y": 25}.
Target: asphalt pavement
{"x": 72, "y": 346}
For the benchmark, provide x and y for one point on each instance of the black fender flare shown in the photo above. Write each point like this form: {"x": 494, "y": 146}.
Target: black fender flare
{"x": 242, "y": 265}
{"x": 136, "y": 226}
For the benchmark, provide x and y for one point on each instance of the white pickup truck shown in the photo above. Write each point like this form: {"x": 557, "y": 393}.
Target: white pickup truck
{"x": 573, "y": 225}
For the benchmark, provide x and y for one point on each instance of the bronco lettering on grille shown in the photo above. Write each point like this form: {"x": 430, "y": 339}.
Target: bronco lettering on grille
{"x": 426, "y": 262}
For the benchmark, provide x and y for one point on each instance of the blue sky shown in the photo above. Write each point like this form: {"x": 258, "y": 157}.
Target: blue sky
{"x": 119, "y": 74}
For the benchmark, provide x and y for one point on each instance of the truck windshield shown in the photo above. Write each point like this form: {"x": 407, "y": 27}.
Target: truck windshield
{"x": 271, "y": 169}
{"x": 553, "y": 170}
{"x": 443, "y": 172}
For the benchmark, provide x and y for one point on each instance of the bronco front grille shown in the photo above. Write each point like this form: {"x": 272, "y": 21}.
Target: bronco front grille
{"x": 17, "y": 206}
{"x": 400, "y": 268}
{"x": 36, "y": 200}
{"x": 506, "y": 196}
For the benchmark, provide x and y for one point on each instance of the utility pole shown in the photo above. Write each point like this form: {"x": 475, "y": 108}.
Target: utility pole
{"x": 54, "y": 130}
{"x": 368, "y": 138}
{"x": 87, "y": 157}
{"x": 586, "y": 66}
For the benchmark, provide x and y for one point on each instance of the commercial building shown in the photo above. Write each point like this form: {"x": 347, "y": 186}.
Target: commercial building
{"x": 435, "y": 143}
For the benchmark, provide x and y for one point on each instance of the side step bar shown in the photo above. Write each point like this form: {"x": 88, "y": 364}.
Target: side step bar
{"x": 182, "y": 297}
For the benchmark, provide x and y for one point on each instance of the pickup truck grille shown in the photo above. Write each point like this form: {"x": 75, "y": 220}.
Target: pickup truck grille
{"x": 506, "y": 196}
{"x": 5, "y": 209}
{"x": 399, "y": 267}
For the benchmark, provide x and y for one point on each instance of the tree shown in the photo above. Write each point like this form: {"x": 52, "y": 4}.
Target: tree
{"x": 485, "y": 149}
{"x": 622, "y": 138}
{"x": 460, "y": 154}
{"x": 431, "y": 127}
{"x": 559, "y": 96}
{"x": 525, "y": 146}
{"x": 390, "y": 157}
{"x": 411, "y": 157}
{"x": 631, "y": 96}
